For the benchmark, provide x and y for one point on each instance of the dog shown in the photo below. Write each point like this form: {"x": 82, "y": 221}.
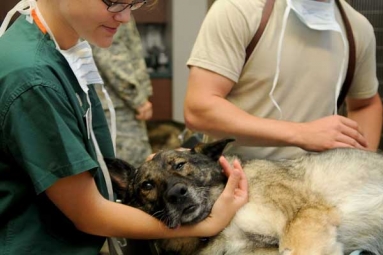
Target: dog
{"x": 164, "y": 134}
{"x": 327, "y": 203}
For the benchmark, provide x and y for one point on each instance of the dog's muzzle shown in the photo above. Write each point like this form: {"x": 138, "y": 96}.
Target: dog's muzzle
{"x": 178, "y": 194}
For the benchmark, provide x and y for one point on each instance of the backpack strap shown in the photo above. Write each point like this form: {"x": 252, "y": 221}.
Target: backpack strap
{"x": 351, "y": 56}
{"x": 266, "y": 13}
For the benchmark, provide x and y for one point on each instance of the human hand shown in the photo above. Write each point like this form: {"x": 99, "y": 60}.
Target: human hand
{"x": 331, "y": 132}
{"x": 234, "y": 196}
{"x": 145, "y": 111}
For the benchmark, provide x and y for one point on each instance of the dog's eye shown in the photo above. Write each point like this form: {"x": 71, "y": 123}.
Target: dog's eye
{"x": 147, "y": 185}
{"x": 179, "y": 165}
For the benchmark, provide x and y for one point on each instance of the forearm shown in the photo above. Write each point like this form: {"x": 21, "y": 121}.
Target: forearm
{"x": 78, "y": 198}
{"x": 369, "y": 119}
{"x": 118, "y": 220}
{"x": 219, "y": 118}
{"x": 207, "y": 110}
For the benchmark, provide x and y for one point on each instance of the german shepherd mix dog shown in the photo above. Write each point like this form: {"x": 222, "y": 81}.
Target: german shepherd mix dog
{"x": 328, "y": 203}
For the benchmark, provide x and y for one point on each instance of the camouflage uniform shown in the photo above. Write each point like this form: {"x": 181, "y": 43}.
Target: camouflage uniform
{"x": 123, "y": 70}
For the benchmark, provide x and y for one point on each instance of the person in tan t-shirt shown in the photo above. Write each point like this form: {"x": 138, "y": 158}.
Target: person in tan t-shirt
{"x": 280, "y": 103}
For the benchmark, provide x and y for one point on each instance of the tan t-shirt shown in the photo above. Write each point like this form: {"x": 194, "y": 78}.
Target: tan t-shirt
{"x": 309, "y": 68}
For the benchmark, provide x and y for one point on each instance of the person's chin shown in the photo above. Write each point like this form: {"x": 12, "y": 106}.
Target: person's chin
{"x": 104, "y": 42}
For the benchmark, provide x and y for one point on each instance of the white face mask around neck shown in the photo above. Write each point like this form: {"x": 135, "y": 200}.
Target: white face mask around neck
{"x": 317, "y": 15}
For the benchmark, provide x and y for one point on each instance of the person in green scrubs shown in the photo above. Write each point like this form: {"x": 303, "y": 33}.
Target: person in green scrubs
{"x": 54, "y": 197}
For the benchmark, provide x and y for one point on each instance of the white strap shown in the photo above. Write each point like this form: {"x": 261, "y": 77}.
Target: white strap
{"x": 21, "y": 7}
{"x": 103, "y": 167}
{"x": 113, "y": 128}
{"x": 114, "y": 246}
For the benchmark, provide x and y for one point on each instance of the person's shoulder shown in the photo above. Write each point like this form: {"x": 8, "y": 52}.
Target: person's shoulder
{"x": 243, "y": 6}
{"x": 26, "y": 64}
{"x": 24, "y": 46}
{"x": 358, "y": 21}
{"x": 243, "y": 13}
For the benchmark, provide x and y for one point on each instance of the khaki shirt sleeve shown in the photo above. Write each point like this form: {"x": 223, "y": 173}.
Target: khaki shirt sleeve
{"x": 223, "y": 38}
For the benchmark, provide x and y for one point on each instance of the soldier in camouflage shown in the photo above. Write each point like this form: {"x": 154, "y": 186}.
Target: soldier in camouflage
{"x": 123, "y": 69}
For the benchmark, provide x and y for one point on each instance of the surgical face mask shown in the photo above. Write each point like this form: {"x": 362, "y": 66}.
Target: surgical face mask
{"x": 317, "y": 16}
{"x": 80, "y": 59}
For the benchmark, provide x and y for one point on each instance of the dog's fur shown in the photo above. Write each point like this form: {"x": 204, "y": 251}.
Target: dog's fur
{"x": 327, "y": 203}
{"x": 164, "y": 134}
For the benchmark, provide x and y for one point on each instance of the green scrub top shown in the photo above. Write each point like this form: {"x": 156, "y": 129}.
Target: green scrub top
{"x": 43, "y": 138}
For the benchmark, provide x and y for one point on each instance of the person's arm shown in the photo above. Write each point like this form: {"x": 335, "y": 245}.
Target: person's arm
{"x": 79, "y": 199}
{"x": 368, "y": 114}
{"x": 206, "y": 110}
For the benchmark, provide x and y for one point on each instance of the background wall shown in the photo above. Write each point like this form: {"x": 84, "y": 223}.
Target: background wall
{"x": 187, "y": 16}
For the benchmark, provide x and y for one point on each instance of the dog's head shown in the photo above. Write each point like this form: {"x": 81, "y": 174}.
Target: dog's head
{"x": 177, "y": 186}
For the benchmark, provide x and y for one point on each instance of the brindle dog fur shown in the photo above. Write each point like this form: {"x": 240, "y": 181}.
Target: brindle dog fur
{"x": 328, "y": 203}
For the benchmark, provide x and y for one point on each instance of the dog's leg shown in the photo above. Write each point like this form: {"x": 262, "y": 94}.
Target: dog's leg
{"x": 313, "y": 231}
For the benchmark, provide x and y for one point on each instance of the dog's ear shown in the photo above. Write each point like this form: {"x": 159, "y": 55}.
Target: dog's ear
{"x": 121, "y": 174}
{"x": 213, "y": 150}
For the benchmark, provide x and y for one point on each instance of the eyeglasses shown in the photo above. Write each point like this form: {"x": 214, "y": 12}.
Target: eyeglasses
{"x": 120, "y": 6}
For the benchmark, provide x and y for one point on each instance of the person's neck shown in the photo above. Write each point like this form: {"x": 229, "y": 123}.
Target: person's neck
{"x": 65, "y": 36}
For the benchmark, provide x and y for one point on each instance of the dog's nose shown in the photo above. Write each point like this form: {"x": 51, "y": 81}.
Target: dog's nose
{"x": 177, "y": 194}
